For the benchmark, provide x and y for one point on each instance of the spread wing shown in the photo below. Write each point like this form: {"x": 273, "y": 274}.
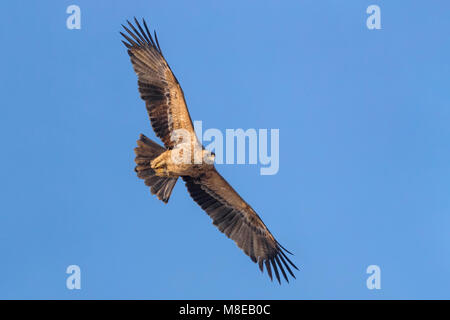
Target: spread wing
{"x": 158, "y": 86}
{"x": 234, "y": 217}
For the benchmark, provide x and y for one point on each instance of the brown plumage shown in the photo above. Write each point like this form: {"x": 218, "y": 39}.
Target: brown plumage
{"x": 168, "y": 113}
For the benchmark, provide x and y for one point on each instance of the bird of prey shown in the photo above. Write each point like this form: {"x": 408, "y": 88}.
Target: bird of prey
{"x": 160, "y": 167}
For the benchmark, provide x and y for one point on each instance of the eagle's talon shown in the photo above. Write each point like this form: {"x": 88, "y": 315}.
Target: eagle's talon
{"x": 158, "y": 163}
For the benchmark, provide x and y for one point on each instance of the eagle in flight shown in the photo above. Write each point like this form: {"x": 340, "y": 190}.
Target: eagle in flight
{"x": 160, "y": 167}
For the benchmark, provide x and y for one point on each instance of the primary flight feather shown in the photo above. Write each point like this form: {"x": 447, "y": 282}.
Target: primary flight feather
{"x": 166, "y": 107}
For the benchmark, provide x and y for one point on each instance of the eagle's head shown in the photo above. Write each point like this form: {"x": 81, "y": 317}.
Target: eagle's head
{"x": 209, "y": 157}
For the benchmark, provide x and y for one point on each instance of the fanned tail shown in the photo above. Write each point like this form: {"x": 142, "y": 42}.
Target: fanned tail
{"x": 146, "y": 151}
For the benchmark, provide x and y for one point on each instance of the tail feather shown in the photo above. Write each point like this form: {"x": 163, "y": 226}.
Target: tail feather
{"x": 146, "y": 151}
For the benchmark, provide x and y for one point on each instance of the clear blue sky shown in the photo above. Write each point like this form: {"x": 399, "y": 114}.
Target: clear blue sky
{"x": 364, "y": 149}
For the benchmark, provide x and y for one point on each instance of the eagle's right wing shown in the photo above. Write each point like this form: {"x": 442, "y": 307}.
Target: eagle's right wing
{"x": 158, "y": 86}
{"x": 234, "y": 217}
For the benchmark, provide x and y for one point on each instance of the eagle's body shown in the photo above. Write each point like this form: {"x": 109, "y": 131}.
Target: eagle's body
{"x": 183, "y": 156}
{"x": 167, "y": 163}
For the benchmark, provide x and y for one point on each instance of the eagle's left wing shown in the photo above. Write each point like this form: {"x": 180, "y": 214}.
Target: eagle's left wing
{"x": 234, "y": 217}
{"x": 158, "y": 86}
